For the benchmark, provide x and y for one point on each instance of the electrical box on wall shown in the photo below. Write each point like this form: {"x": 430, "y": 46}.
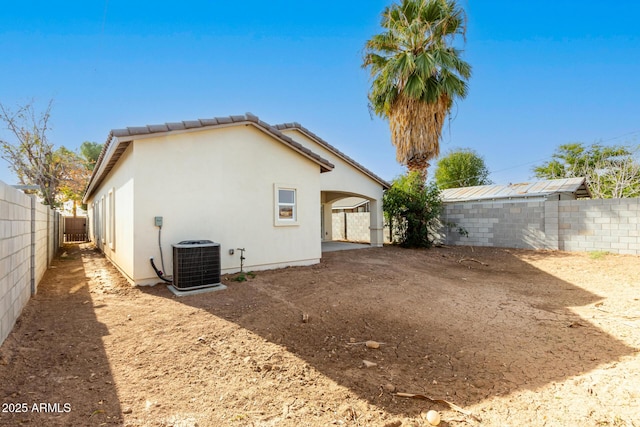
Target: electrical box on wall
{"x": 158, "y": 220}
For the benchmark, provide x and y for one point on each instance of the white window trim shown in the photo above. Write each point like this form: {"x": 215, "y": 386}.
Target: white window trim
{"x": 112, "y": 219}
{"x": 94, "y": 231}
{"x": 278, "y": 222}
{"x": 103, "y": 222}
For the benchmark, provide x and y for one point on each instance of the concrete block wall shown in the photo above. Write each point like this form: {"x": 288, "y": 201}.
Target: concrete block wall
{"x": 337, "y": 225}
{"x": 357, "y": 227}
{"x": 15, "y": 256}
{"x": 352, "y": 226}
{"x": 503, "y": 224}
{"x": 41, "y": 244}
{"x": 28, "y": 243}
{"x": 611, "y": 225}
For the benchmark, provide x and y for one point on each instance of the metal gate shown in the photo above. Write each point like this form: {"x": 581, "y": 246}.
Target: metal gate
{"x": 75, "y": 229}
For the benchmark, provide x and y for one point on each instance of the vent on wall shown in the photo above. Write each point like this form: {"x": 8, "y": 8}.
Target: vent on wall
{"x": 196, "y": 264}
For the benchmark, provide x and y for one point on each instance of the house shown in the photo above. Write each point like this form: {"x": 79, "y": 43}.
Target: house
{"x": 236, "y": 180}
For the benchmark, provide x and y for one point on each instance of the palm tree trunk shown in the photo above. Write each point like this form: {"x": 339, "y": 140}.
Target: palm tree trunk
{"x": 416, "y": 126}
{"x": 419, "y": 166}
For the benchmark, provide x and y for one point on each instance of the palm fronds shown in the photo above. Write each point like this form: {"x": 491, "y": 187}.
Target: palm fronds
{"x": 417, "y": 74}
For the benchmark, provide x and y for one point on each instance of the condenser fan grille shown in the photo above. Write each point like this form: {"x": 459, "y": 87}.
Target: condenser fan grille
{"x": 196, "y": 263}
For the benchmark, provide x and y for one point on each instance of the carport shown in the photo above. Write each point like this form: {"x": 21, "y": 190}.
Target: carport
{"x": 348, "y": 179}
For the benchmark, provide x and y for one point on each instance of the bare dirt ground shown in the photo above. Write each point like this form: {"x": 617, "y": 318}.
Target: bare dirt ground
{"x": 514, "y": 338}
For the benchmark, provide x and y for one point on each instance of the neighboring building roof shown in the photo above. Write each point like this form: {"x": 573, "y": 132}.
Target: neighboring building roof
{"x": 575, "y": 186}
{"x": 119, "y": 139}
{"x": 335, "y": 151}
{"x": 349, "y": 203}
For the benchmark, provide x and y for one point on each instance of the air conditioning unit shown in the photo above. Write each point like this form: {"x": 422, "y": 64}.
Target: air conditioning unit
{"x": 196, "y": 264}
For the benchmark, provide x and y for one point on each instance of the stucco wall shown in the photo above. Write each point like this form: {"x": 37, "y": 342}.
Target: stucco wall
{"x": 345, "y": 180}
{"x": 29, "y": 238}
{"x": 119, "y": 250}
{"x": 216, "y": 184}
{"x": 344, "y": 177}
{"x": 611, "y": 225}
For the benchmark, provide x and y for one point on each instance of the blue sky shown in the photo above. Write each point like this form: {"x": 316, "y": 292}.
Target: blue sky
{"x": 544, "y": 72}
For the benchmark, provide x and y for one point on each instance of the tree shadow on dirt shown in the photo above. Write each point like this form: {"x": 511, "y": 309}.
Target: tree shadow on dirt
{"x": 459, "y": 324}
{"x": 53, "y": 364}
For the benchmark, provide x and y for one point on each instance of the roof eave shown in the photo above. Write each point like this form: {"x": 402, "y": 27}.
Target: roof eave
{"x": 297, "y": 126}
{"x": 119, "y": 139}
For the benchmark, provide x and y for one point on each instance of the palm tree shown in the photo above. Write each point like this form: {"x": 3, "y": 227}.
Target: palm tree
{"x": 417, "y": 75}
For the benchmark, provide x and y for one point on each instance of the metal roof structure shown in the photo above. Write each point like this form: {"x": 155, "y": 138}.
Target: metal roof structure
{"x": 577, "y": 187}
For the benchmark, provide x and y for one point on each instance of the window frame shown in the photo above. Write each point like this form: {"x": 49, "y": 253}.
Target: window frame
{"x": 278, "y": 204}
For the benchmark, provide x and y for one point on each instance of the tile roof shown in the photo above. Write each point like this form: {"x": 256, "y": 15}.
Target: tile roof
{"x": 123, "y": 137}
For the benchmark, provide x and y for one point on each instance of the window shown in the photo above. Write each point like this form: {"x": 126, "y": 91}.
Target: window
{"x": 286, "y": 205}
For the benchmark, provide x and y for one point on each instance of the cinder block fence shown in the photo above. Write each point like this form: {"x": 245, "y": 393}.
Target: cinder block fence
{"x": 30, "y": 235}
{"x": 354, "y": 227}
{"x": 611, "y": 225}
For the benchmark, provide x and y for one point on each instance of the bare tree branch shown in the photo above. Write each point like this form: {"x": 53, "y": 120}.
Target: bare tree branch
{"x": 32, "y": 157}
{"x": 616, "y": 177}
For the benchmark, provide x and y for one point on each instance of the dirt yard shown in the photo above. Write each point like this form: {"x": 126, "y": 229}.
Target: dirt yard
{"x": 513, "y": 338}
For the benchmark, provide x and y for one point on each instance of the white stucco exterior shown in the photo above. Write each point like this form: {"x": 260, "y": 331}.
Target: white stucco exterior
{"x": 217, "y": 183}
{"x": 345, "y": 180}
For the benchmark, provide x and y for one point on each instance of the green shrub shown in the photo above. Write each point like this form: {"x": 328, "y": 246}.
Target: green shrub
{"x": 243, "y": 277}
{"x": 412, "y": 211}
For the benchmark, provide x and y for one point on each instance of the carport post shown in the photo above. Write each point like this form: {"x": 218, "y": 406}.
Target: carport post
{"x": 328, "y": 221}
{"x": 376, "y": 229}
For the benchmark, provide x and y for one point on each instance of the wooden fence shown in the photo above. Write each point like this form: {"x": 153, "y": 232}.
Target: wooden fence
{"x": 75, "y": 229}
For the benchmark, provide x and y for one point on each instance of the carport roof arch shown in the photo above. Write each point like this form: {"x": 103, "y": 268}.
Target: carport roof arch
{"x": 333, "y": 196}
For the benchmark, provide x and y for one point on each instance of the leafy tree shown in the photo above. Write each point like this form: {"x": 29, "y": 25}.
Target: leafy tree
{"x": 79, "y": 167}
{"x": 90, "y": 151}
{"x": 77, "y": 171}
{"x": 33, "y": 159}
{"x": 412, "y": 211}
{"x": 461, "y": 168}
{"x": 417, "y": 75}
{"x": 571, "y": 160}
{"x": 610, "y": 171}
